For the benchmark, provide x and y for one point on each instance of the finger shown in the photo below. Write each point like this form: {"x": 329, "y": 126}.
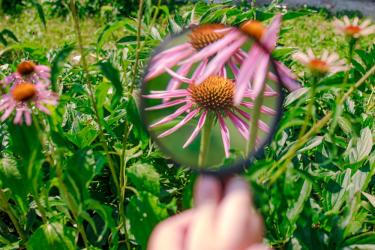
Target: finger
{"x": 171, "y": 233}
{"x": 201, "y": 233}
{"x": 207, "y": 189}
{"x": 258, "y": 247}
{"x": 238, "y": 224}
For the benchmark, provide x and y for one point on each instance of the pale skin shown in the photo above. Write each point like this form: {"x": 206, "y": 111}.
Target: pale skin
{"x": 222, "y": 219}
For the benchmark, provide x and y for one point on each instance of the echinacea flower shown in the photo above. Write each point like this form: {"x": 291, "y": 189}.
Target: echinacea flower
{"x": 212, "y": 98}
{"x": 254, "y": 68}
{"x": 214, "y": 41}
{"x": 23, "y": 97}
{"x": 27, "y": 71}
{"x": 325, "y": 64}
{"x": 354, "y": 29}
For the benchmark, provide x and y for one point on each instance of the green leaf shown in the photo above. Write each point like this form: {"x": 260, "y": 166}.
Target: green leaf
{"x": 134, "y": 117}
{"x": 84, "y": 137}
{"x": 370, "y": 198}
{"x": 144, "y": 213}
{"x": 144, "y": 177}
{"x": 9, "y": 34}
{"x": 39, "y": 10}
{"x": 295, "y": 95}
{"x": 52, "y": 236}
{"x": 294, "y": 14}
{"x": 108, "y": 30}
{"x": 110, "y": 72}
{"x": 364, "y": 144}
{"x": 312, "y": 143}
{"x": 295, "y": 211}
{"x": 57, "y": 61}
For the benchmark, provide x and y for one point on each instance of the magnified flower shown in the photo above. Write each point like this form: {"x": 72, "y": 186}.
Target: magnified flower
{"x": 212, "y": 99}
{"x": 23, "y": 97}
{"x": 324, "y": 64}
{"x": 254, "y": 67}
{"x": 29, "y": 72}
{"x": 354, "y": 29}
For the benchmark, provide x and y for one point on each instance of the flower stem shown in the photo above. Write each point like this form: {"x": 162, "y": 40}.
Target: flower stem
{"x": 205, "y": 140}
{"x": 138, "y": 49}
{"x": 309, "y": 109}
{"x": 253, "y": 123}
{"x": 352, "y": 43}
{"x": 92, "y": 96}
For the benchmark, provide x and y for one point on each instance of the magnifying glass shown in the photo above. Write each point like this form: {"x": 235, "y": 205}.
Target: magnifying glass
{"x": 211, "y": 98}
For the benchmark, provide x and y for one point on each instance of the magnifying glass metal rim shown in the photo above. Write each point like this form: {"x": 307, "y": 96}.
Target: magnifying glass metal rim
{"x": 240, "y": 165}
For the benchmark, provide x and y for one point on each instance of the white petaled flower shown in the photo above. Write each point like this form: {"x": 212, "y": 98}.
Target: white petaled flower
{"x": 354, "y": 28}
{"x": 326, "y": 63}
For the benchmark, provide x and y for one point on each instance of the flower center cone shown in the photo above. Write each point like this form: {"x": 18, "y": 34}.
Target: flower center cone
{"x": 253, "y": 28}
{"x": 23, "y": 92}
{"x": 215, "y": 93}
{"x": 26, "y": 68}
{"x": 205, "y": 34}
{"x": 319, "y": 66}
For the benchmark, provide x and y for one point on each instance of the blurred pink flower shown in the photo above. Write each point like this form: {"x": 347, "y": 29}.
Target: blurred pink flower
{"x": 215, "y": 41}
{"x": 324, "y": 64}
{"x": 28, "y": 71}
{"x": 354, "y": 29}
{"x": 254, "y": 67}
{"x": 23, "y": 97}
{"x": 213, "y": 97}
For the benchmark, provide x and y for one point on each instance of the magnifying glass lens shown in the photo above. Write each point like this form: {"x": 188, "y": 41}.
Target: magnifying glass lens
{"x": 211, "y": 97}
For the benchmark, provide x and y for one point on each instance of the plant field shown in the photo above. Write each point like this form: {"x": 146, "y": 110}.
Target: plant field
{"x": 78, "y": 169}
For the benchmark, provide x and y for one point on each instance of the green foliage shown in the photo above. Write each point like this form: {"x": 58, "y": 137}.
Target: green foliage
{"x": 58, "y": 177}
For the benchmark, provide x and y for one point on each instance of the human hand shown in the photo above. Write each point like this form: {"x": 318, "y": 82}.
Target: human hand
{"x": 221, "y": 220}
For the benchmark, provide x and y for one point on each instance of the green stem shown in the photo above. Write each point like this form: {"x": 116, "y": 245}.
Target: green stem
{"x": 72, "y": 206}
{"x": 138, "y": 49}
{"x": 352, "y": 43}
{"x": 205, "y": 140}
{"x": 155, "y": 15}
{"x": 92, "y": 96}
{"x": 4, "y": 205}
{"x": 253, "y": 122}
{"x": 309, "y": 109}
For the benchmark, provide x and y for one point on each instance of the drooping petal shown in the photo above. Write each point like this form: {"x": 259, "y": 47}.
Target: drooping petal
{"x": 172, "y": 50}
{"x": 8, "y": 111}
{"x": 197, "y": 129}
{"x": 263, "y": 109}
{"x": 167, "y": 94}
{"x": 260, "y": 75}
{"x": 288, "y": 78}
{"x": 221, "y": 58}
{"x": 269, "y": 39}
{"x": 184, "y": 121}
{"x": 177, "y": 76}
{"x": 239, "y": 124}
{"x": 166, "y": 105}
{"x": 214, "y": 47}
{"x": 175, "y": 83}
{"x": 261, "y": 124}
{"x": 246, "y": 72}
{"x": 172, "y": 116}
{"x": 27, "y": 115}
{"x": 158, "y": 68}
{"x": 18, "y": 117}
{"x": 202, "y": 66}
{"x": 225, "y": 136}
